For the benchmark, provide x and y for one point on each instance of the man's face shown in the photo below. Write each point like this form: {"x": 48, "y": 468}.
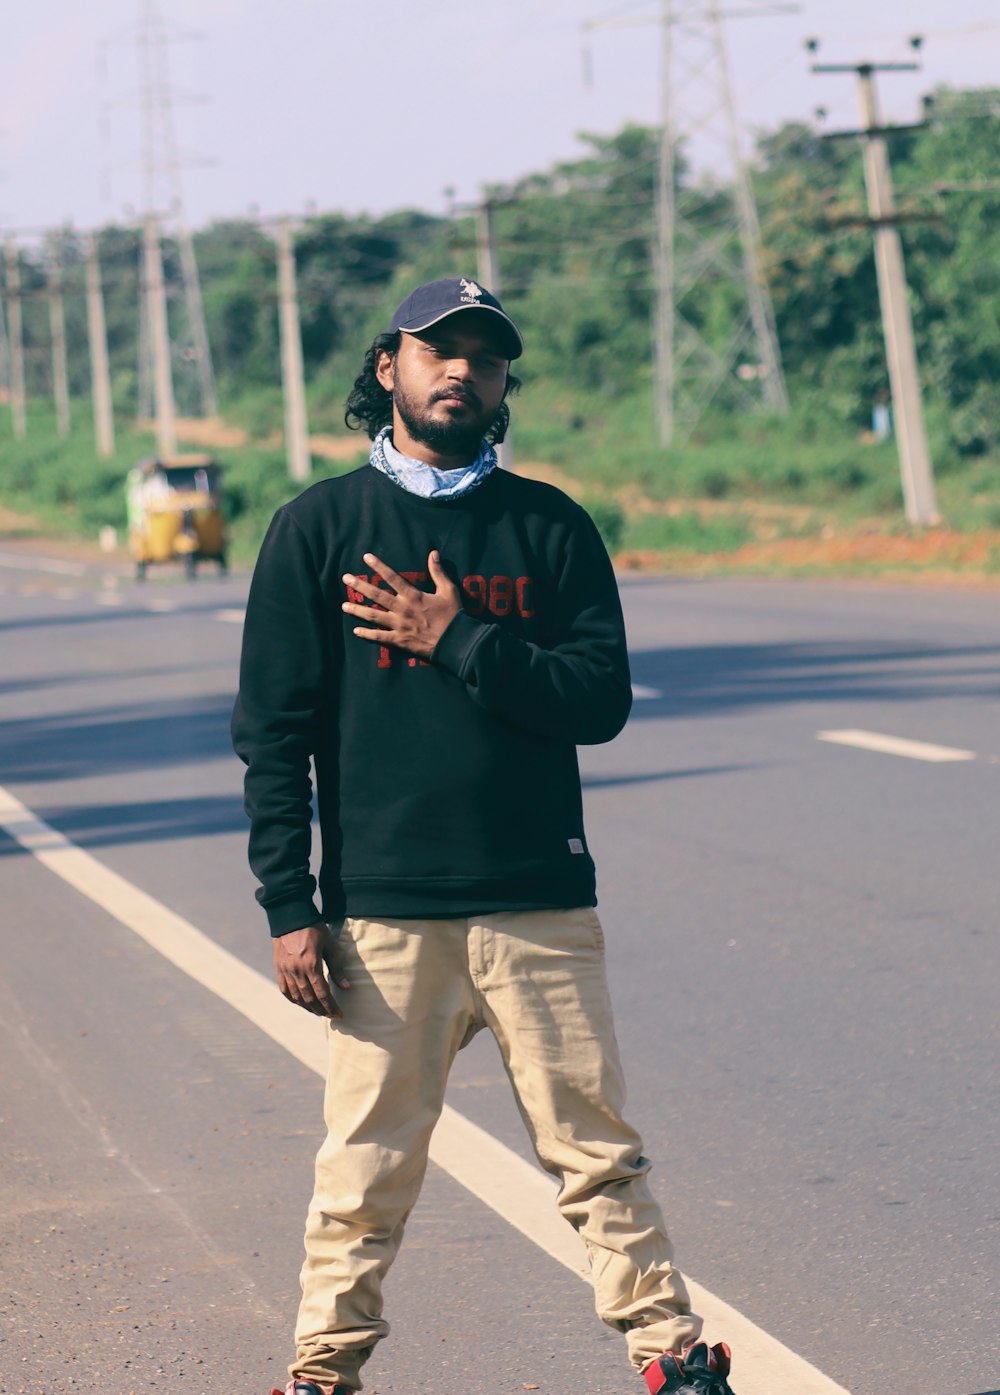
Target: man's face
{"x": 447, "y": 382}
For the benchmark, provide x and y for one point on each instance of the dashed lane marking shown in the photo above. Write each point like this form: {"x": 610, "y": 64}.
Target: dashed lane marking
{"x": 487, "y": 1168}
{"x": 640, "y": 691}
{"x": 42, "y": 564}
{"x": 230, "y": 617}
{"x": 894, "y": 745}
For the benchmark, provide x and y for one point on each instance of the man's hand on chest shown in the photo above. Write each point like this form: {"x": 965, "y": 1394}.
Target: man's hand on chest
{"x": 404, "y": 617}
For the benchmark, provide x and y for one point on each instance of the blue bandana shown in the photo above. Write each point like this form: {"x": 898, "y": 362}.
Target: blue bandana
{"x": 417, "y": 477}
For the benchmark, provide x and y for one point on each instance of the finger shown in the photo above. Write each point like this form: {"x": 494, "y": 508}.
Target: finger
{"x": 338, "y": 977}
{"x": 397, "y": 582}
{"x": 312, "y": 992}
{"x": 336, "y": 970}
{"x": 378, "y": 594}
{"x": 365, "y": 612}
{"x": 292, "y": 990}
{"x": 378, "y": 636}
{"x": 442, "y": 581}
{"x": 326, "y": 1004}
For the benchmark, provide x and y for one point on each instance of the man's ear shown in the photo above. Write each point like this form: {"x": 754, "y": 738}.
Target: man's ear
{"x": 385, "y": 369}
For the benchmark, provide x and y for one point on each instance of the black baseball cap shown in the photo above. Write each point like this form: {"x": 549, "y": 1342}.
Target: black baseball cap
{"x": 438, "y": 299}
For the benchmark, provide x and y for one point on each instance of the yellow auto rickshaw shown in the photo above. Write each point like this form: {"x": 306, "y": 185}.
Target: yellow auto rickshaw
{"x": 175, "y": 513}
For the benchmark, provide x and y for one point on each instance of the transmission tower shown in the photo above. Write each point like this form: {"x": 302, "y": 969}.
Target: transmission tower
{"x": 706, "y": 232}
{"x": 161, "y": 161}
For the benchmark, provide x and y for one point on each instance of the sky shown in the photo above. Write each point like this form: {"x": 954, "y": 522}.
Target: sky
{"x": 296, "y": 106}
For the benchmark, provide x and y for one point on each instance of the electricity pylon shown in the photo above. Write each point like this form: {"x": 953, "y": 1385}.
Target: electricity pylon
{"x": 160, "y": 161}
{"x": 706, "y": 232}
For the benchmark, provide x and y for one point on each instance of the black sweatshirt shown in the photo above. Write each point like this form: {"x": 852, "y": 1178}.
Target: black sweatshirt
{"x": 445, "y": 787}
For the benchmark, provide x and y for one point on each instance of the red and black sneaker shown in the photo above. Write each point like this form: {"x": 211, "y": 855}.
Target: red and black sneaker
{"x": 309, "y": 1387}
{"x": 699, "y": 1370}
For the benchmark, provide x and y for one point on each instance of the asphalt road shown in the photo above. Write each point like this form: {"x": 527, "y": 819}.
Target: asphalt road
{"x": 803, "y": 942}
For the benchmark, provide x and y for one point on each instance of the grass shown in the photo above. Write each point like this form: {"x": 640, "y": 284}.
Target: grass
{"x": 688, "y": 531}
{"x": 70, "y": 491}
{"x": 761, "y": 494}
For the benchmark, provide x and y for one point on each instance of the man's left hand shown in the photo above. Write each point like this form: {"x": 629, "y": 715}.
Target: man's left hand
{"x": 410, "y": 619}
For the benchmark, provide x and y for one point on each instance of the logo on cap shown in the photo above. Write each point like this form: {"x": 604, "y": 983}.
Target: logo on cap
{"x": 470, "y": 292}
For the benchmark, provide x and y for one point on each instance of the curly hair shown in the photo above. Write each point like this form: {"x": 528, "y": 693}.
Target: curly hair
{"x": 369, "y": 405}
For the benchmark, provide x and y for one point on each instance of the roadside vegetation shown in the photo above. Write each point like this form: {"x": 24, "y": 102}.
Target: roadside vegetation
{"x": 750, "y": 492}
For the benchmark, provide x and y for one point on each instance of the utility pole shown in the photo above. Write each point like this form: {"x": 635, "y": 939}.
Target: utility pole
{"x": 664, "y": 323}
{"x": 144, "y": 385}
{"x": 17, "y": 395}
{"x": 4, "y": 355}
{"x": 488, "y": 266}
{"x": 156, "y": 318}
{"x": 897, "y": 325}
{"x": 486, "y": 256}
{"x": 292, "y": 377}
{"x": 196, "y": 319}
{"x": 100, "y": 377}
{"x": 57, "y": 329}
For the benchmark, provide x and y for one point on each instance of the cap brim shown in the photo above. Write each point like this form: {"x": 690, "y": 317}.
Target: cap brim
{"x": 515, "y": 341}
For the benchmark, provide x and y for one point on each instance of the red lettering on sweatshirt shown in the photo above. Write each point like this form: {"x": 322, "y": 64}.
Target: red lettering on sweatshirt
{"x": 495, "y": 595}
{"x": 499, "y": 595}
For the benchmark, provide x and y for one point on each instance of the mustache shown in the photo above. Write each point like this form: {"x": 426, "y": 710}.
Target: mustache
{"x": 465, "y": 395}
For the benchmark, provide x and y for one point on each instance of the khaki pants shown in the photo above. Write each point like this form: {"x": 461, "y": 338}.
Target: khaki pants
{"x": 420, "y": 990}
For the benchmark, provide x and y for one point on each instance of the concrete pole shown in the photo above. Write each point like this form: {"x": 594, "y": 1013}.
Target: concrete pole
{"x": 57, "y": 328}
{"x": 663, "y": 250}
{"x": 488, "y": 266}
{"x": 897, "y": 325}
{"x": 100, "y": 377}
{"x": 4, "y": 355}
{"x": 196, "y": 317}
{"x": 293, "y": 381}
{"x": 17, "y": 394}
{"x": 144, "y": 388}
{"x": 486, "y": 257}
{"x": 156, "y": 301}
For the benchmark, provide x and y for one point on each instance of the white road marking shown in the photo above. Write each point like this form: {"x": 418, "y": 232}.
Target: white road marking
{"x": 894, "y": 745}
{"x": 42, "y": 564}
{"x": 640, "y": 691}
{"x": 231, "y": 617}
{"x": 161, "y": 605}
{"x": 109, "y": 598}
{"x": 511, "y": 1187}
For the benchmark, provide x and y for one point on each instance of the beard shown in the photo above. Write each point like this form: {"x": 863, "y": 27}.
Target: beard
{"x": 451, "y": 435}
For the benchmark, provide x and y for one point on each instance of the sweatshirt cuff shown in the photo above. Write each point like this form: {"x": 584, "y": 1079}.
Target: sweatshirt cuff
{"x": 291, "y": 915}
{"x": 457, "y": 645}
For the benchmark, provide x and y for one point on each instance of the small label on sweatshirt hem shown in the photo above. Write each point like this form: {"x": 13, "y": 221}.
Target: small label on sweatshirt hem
{"x": 575, "y": 845}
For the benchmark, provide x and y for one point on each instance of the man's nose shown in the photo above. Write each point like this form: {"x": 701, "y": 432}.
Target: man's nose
{"x": 460, "y": 369}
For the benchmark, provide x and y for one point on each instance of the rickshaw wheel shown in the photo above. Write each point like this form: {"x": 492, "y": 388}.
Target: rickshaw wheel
{"x": 140, "y": 571}
{"x": 191, "y": 566}
{"x": 223, "y": 564}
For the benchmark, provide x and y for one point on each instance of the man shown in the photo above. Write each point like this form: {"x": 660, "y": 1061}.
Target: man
{"x": 438, "y": 636}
